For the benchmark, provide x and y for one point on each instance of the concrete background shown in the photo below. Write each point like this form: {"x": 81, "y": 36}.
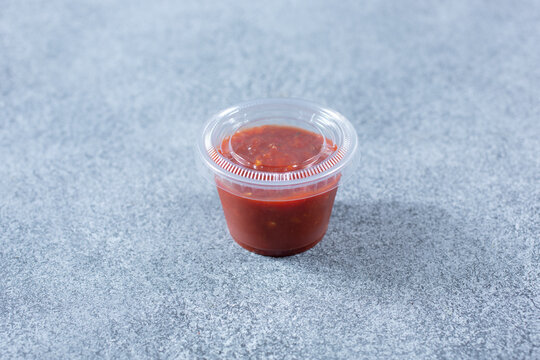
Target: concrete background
{"x": 112, "y": 246}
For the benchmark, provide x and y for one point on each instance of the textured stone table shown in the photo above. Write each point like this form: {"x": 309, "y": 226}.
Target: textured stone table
{"x": 112, "y": 246}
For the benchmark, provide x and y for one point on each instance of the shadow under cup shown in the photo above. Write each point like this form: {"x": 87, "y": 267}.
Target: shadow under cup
{"x": 282, "y": 212}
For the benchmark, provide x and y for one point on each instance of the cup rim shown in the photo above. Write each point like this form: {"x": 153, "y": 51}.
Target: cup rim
{"x": 331, "y": 166}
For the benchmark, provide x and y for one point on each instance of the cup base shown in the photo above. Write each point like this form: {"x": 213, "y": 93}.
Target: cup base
{"x": 279, "y": 253}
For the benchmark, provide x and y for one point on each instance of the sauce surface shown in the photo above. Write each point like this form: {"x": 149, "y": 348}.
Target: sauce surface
{"x": 284, "y": 223}
{"x": 275, "y": 148}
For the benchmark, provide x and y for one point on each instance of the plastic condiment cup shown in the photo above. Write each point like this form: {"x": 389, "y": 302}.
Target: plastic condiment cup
{"x": 277, "y": 211}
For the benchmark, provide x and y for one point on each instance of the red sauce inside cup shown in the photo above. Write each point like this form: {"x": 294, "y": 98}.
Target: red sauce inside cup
{"x": 277, "y": 224}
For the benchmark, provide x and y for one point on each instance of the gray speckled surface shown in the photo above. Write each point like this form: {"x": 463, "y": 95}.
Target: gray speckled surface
{"x": 111, "y": 245}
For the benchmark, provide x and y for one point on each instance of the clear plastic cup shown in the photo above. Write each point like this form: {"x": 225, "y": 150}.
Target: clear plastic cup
{"x": 277, "y": 165}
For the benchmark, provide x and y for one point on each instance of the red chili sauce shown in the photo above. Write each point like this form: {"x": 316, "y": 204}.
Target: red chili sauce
{"x": 285, "y": 222}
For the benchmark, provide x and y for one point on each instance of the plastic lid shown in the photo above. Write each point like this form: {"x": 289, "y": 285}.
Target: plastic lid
{"x": 223, "y": 138}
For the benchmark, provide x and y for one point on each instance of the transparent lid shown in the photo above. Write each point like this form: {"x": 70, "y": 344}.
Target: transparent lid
{"x": 322, "y": 141}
